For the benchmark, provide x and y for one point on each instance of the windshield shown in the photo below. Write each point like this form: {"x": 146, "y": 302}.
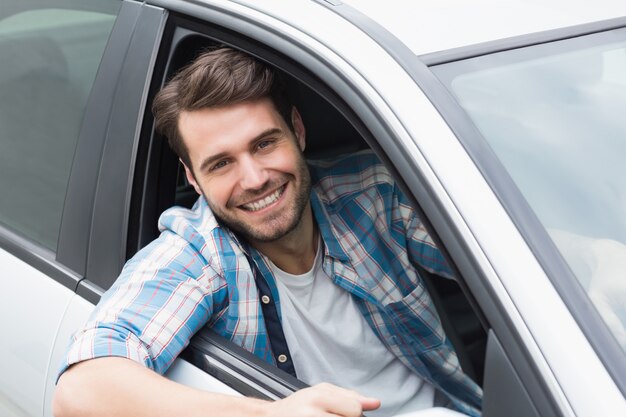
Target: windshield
{"x": 555, "y": 116}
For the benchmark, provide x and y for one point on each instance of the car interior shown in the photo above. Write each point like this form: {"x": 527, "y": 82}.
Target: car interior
{"x": 331, "y": 130}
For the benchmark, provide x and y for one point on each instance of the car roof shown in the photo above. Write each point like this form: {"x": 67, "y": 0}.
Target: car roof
{"x": 439, "y": 25}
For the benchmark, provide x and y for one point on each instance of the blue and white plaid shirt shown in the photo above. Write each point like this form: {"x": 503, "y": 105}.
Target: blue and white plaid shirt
{"x": 197, "y": 274}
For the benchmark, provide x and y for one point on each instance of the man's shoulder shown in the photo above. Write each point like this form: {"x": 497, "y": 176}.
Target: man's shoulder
{"x": 349, "y": 175}
{"x": 193, "y": 225}
{"x": 191, "y": 232}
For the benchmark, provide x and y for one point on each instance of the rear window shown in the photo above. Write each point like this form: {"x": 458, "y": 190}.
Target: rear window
{"x": 50, "y": 53}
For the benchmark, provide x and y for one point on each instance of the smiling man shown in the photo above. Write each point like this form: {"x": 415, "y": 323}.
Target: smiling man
{"x": 311, "y": 267}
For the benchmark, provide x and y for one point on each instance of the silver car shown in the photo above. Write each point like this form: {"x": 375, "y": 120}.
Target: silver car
{"x": 505, "y": 121}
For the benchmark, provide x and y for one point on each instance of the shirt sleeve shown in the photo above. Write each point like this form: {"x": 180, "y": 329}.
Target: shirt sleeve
{"x": 163, "y": 296}
{"x": 421, "y": 247}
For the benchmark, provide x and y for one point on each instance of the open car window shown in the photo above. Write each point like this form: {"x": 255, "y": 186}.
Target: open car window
{"x": 332, "y": 130}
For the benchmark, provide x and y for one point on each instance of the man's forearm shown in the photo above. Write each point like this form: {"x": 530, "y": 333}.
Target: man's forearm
{"x": 120, "y": 387}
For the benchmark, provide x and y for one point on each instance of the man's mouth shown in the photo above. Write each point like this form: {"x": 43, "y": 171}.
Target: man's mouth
{"x": 264, "y": 202}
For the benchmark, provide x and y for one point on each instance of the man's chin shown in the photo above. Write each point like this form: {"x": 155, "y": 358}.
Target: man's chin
{"x": 266, "y": 232}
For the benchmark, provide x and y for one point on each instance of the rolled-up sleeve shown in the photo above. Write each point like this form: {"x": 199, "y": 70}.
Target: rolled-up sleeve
{"x": 163, "y": 296}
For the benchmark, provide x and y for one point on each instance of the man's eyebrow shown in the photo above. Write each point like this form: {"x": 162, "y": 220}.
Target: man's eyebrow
{"x": 209, "y": 160}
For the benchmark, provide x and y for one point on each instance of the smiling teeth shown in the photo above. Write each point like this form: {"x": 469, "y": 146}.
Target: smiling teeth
{"x": 260, "y": 204}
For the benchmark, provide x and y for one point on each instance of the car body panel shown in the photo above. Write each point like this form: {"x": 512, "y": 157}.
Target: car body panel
{"x": 76, "y": 314}
{"x": 25, "y": 356}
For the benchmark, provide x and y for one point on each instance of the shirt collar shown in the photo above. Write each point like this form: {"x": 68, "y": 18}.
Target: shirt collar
{"x": 331, "y": 242}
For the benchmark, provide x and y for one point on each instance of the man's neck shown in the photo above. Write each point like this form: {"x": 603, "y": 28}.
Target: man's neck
{"x": 295, "y": 252}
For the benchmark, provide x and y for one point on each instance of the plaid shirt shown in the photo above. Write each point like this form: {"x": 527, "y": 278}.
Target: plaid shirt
{"x": 198, "y": 274}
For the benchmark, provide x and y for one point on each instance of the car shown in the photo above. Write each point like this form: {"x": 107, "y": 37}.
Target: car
{"x": 502, "y": 120}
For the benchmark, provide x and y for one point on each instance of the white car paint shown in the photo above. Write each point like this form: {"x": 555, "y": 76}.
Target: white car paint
{"x": 25, "y": 355}
{"x": 432, "y": 26}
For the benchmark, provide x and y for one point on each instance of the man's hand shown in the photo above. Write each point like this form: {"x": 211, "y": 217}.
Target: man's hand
{"x": 322, "y": 400}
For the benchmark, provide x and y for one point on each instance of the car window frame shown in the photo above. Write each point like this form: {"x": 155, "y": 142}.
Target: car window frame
{"x": 208, "y": 350}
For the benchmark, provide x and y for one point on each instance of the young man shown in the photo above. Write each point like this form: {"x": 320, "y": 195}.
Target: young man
{"x": 308, "y": 267}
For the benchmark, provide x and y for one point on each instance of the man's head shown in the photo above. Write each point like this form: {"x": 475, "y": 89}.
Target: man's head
{"x": 216, "y": 78}
{"x": 241, "y": 142}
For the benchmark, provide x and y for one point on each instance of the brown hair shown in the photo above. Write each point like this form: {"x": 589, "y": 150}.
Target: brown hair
{"x": 217, "y": 77}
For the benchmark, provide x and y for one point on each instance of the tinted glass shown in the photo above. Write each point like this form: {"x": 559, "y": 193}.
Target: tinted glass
{"x": 50, "y": 52}
{"x": 555, "y": 116}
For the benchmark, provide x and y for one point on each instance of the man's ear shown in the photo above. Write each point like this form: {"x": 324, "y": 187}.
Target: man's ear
{"x": 191, "y": 178}
{"x": 298, "y": 127}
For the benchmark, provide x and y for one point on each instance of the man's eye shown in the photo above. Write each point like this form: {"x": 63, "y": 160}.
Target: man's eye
{"x": 219, "y": 165}
{"x": 264, "y": 144}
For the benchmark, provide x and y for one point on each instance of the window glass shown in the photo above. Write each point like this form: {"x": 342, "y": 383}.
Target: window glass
{"x": 554, "y": 116}
{"x": 50, "y": 52}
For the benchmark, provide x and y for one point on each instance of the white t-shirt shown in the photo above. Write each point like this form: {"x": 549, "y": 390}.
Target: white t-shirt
{"x": 330, "y": 341}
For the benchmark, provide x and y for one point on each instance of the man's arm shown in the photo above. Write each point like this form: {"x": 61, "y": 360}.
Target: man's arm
{"x": 113, "y": 386}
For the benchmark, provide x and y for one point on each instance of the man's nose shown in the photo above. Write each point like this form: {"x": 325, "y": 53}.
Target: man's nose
{"x": 253, "y": 175}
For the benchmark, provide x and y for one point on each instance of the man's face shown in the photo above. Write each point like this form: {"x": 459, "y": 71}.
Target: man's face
{"x": 249, "y": 167}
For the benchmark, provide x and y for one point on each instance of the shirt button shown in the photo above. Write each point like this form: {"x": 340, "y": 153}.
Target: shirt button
{"x": 282, "y": 358}
{"x": 265, "y": 299}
